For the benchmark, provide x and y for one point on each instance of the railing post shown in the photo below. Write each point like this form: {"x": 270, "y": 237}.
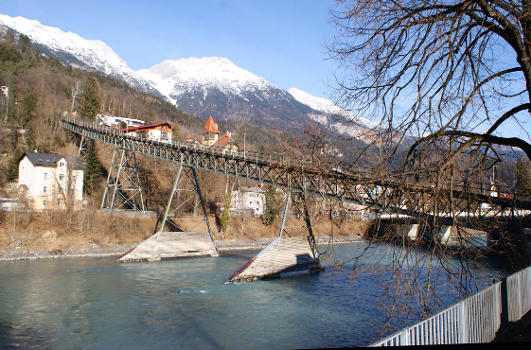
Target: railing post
{"x": 404, "y": 338}
{"x": 504, "y": 304}
{"x": 462, "y": 322}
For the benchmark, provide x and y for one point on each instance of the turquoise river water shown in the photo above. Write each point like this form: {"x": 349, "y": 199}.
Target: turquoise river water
{"x": 97, "y": 303}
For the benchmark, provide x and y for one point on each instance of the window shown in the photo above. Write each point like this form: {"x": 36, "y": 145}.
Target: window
{"x": 61, "y": 163}
{"x": 44, "y": 189}
{"x": 44, "y": 202}
{"x": 73, "y": 179}
{"x": 58, "y": 202}
{"x": 61, "y": 177}
{"x": 45, "y": 176}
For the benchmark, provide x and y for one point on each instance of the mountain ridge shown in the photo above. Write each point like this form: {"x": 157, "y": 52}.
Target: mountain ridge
{"x": 202, "y": 86}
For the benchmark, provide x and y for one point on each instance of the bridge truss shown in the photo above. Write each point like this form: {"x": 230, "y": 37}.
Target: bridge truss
{"x": 294, "y": 174}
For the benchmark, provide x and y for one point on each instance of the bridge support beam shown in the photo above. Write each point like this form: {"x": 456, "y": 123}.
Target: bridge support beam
{"x": 123, "y": 183}
{"x": 177, "y": 244}
{"x": 286, "y": 254}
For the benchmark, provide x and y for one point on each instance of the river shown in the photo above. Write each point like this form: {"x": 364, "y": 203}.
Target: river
{"x": 95, "y": 303}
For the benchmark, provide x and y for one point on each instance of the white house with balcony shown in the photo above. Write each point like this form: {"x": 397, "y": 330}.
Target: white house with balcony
{"x": 51, "y": 180}
{"x": 248, "y": 200}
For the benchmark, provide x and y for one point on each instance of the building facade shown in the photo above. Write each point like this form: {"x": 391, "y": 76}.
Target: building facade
{"x": 211, "y": 137}
{"x": 248, "y": 200}
{"x": 161, "y": 132}
{"x": 51, "y": 180}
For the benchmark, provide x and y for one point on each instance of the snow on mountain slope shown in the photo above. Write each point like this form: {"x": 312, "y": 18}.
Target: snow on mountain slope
{"x": 326, "y": 106}
{"x": 173, "y": 77}
{"x": 72, "y": 48}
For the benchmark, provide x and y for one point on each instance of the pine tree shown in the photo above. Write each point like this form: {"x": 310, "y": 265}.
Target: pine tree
{"x": 13, "y": 136}
{"x": 29, "y": 104}
{"x": 225, "y": 216}
{"x": 523, "y": 179}
{"x": 271, "y": 210}
{"x": 29, "y": 137}
{"x": 90, "y": 99}
{"x": 12, "y": 166}
{"x": 93, "y": 170}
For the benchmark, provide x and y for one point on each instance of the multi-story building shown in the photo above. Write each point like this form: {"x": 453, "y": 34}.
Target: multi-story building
{"x": 249, "y": 200}
{"x": 51, "y": 180}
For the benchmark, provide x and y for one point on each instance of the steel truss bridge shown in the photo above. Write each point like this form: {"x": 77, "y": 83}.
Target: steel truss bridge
{"x": 289, "y": 173}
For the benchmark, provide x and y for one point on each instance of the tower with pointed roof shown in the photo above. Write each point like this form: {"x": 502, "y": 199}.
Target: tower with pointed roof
{"x": 210, "y": 132}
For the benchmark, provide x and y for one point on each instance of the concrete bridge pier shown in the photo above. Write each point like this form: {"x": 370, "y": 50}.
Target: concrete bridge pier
{"x": 286, "y": 254}
{"x": 165, "y": 245}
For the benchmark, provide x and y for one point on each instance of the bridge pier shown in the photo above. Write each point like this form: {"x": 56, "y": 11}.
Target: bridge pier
{"x": 123, "y": 180}
{"x": 164, "y": 244}
{"x": 286, "y": 254}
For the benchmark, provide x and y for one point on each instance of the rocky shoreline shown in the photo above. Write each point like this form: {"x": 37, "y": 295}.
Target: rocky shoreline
{"x": 94, "y": 250}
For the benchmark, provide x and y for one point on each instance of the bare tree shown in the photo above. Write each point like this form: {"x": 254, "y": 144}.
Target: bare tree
{"x": 432, "y": 68}
{"x": 443, "y": 78}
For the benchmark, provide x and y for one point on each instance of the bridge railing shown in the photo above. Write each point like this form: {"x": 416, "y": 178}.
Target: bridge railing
{"x": 272, "y": 158}
{"x": 473, "y": 320}
{"x": 305, "y": 168}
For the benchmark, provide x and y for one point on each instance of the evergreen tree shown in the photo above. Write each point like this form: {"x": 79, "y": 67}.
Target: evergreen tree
{"x": 225, "y": 216}
{"x": 29, "y": 104}
{"x": 12, "y": 165}
{"x": 93, "y": 171}
{"x": 90, "y": 99}
{"x": 523, "y": 179}
{"x": 29, "y": 137}
{"x": 271, "y": 210}
{"x": 13, "y": 136}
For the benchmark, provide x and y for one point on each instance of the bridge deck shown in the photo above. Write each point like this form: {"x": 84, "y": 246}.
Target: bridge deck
{"x": 292, "y": 174}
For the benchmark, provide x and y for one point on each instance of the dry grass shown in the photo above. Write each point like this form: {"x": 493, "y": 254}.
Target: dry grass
{"x": 56, "y": 231}
{"x": 252, "y": 227}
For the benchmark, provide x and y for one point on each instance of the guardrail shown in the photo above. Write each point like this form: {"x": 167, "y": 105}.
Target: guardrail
{"x": 518, "y": 296}
{"x": 473, "y": 320}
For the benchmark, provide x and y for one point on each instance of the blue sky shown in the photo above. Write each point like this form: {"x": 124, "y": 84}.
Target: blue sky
{"x": 281, "y": 41}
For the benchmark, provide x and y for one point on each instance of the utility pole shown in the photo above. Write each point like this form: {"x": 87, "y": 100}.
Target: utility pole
{"x": 244, "y": 146}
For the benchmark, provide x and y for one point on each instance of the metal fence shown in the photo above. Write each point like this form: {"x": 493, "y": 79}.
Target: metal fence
{"x": 473, "y": 320}
{"x": 518, "y": 297}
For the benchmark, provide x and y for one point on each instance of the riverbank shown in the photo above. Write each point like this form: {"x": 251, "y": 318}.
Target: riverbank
{"x": 92, "y": 249}
{"x": 31, "y": 235}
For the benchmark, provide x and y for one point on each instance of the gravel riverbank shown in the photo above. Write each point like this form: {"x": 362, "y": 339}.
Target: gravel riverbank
{"x": 115, "y": 249}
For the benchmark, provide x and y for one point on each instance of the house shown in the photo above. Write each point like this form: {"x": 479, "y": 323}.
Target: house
{"x": 51, "y": 180}
{"x": 210, "y": 132}
{"x": 248, "y": 200}
{"x": 211, "y": 137}
{"x": 161, "y": 132}
{"x": 112, "y": 121}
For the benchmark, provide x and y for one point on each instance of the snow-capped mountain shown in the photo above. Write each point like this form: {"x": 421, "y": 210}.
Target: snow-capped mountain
{"x": 216, "y": 86}
{"x": 335, "y": 117}
{"x": 202, "y": 86}
{"x": 71, "y": 49}
{"x": 173, "y": 77}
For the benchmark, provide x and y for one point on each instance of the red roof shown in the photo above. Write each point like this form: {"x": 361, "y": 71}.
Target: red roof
{"x": 224, "y": 141}
{"x": 210, "y": 126}
{"x": 143, "y": 127}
